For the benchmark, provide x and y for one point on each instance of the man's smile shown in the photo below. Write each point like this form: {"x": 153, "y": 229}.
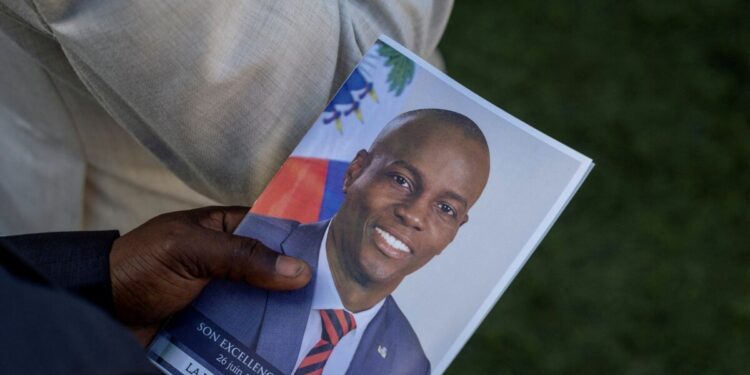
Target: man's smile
{"x": 390, "y": 245}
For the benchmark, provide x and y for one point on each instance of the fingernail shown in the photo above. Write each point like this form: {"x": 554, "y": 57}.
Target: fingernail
{"x": 288, "y": 266}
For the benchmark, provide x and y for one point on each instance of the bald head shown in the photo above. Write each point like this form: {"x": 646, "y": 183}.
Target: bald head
{"x": 442, "y": 136}
{"x": 432, "y": 120}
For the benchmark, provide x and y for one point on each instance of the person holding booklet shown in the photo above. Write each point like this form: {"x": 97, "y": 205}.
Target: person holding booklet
{"x": 317, "y": 297}
{"x": 406, "y": 198}
{"x": 139, "y": 110}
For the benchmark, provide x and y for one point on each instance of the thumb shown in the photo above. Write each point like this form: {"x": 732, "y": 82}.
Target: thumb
{"x": 239, "y": 258}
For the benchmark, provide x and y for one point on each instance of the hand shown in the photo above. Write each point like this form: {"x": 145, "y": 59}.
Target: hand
{"x": 160, "y": 267}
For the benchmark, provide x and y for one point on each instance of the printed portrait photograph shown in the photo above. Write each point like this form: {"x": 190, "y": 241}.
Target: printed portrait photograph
{"x": 415, "y": 203}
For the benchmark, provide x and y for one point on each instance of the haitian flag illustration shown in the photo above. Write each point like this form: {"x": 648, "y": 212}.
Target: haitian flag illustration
{"x": 309, "y": 185}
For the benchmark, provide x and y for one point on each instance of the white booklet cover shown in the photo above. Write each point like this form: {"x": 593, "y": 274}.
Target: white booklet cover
{"x": 415, "y": 202}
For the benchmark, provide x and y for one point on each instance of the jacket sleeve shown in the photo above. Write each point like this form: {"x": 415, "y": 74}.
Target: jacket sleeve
{"x": 51, "y": 332}
{"x": 75, "y": 261}
{"x": 222, "y": 91}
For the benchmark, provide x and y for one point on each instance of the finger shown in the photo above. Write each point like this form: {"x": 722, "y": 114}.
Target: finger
{"x": 233, "y": 216}
{"x": 220, "y": 218}
{"x": 244, "y": 259}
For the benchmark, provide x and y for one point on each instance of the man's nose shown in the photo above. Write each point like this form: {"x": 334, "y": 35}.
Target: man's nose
{"x": 412, "y": 214}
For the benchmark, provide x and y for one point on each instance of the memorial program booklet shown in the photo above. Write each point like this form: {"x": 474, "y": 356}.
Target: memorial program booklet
{"x": 414, "y": 201}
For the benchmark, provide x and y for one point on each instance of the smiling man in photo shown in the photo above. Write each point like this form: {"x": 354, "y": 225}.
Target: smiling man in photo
{"x": 405, "y": 200}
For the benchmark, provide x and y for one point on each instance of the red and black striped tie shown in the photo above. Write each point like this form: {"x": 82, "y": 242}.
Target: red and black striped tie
{"x": 336, "y": 324}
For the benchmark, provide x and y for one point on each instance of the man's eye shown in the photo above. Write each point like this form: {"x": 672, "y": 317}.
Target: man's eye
{"x": 402, "y": 181}
{"x": 447, "y": 209}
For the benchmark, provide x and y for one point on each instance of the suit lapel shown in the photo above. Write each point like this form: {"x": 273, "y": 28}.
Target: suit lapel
{"x": 368, "y": 355}
{"x": 286, "y": 315}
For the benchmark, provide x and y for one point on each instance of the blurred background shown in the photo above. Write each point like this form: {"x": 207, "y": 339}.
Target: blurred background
{"x": 648, "y": 270}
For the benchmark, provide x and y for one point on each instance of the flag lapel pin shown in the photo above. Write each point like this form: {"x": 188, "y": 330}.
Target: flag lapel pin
{"x": 383, "y": 351}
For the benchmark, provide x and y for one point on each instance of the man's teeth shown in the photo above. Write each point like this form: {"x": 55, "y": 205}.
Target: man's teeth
{"x": 395, "y": 243}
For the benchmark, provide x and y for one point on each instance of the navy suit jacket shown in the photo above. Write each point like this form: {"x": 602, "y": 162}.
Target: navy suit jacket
{"x": 273, "y": 323}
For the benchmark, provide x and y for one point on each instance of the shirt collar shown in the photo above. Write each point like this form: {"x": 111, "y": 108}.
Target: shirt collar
{"x": 325, "y": 295}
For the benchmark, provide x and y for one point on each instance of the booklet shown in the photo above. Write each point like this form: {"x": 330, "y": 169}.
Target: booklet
{"x": 414, "y": 201}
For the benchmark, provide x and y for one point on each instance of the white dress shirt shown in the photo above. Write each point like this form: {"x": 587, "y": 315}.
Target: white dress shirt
{"x": 325, "y": 296}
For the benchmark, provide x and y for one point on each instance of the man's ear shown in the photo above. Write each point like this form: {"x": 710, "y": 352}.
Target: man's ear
{"x": 355, "y": 168}
{"x": 465, "y": 220}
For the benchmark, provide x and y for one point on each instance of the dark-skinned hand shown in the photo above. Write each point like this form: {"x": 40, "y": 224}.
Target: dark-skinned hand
{"x": 160, "y": 267}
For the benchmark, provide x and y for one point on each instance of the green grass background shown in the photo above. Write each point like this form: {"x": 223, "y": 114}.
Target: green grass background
{"x": 648, "y": 270}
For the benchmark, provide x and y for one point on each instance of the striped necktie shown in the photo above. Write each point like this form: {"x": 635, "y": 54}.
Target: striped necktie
{"x": 336, "y": 324}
